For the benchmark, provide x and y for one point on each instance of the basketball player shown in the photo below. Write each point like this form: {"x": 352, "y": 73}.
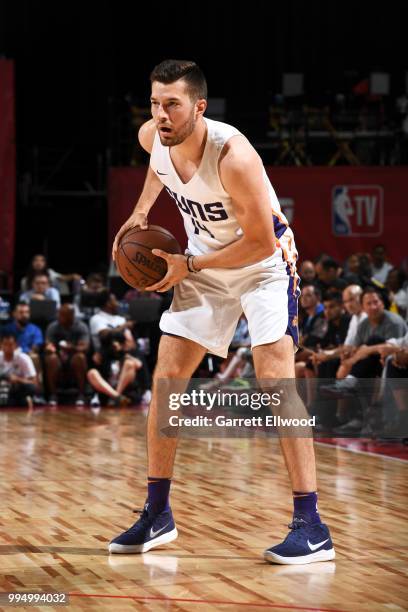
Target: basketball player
{"x": 241, "y": 257}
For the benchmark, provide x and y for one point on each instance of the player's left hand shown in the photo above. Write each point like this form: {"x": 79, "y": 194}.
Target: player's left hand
{"x": 176, "y": 271}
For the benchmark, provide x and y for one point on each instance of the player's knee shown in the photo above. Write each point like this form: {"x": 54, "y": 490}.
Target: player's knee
{"x": 170, "y": 370}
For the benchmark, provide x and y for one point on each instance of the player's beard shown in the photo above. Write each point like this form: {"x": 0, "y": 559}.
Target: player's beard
{"x": 182, "y": 133}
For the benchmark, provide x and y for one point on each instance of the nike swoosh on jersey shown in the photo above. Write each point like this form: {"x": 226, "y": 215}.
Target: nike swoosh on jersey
{"x": 153, "y": 534}
{"x": 316, "y": 546}
{"x": 162, "y": 173}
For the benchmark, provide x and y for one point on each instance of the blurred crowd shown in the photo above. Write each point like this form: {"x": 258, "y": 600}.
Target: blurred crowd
{"x": 65, "y": 339}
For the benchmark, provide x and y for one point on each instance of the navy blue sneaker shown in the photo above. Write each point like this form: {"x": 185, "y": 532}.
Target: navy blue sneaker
{"x": 149, "y": 531}
{"x": 304, "y": 543}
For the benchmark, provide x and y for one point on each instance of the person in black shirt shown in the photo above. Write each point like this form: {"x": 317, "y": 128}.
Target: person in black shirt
{"x": 328, "y": 277}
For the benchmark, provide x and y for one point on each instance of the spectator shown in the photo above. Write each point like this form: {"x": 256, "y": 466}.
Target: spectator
{"x": 324, "y": 363}
{"x": 67, "y": 342}
{"x": 307, "y": 271}
{"x": 352, "y": 302}
{"x": 379, "y": 323}
{"x": 29, "y": 336}
{"x": 394, "y": 353}
{"x": 107, "y": 319}
{"x": 380, "y": 267}
{"x": 17, "y": 373}
{"x": 41, "y": 290}
{"x": 398, "y": 293}
{"x": 313, "y": 326}
{"x": 338, "y": 321}
{"x": 379, "y": 326}
{"x": 116, "y": 372}
{"x": 89, "y": 299}
{"x": 328, "y": 276}
{"x": 352, "y": 270}
{"x": 59, "y": 281}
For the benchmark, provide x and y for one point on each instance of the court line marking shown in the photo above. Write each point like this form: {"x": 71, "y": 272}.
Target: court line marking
{"x": 362, "y": 452}
{"x": 209, "y": 601}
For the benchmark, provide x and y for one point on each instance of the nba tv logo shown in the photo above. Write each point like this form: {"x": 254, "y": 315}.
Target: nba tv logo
{"x": 357, "y": 210}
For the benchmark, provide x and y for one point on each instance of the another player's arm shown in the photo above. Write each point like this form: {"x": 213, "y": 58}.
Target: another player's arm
{"x": 151, "y": 188}
{"x": 241, "y": 172}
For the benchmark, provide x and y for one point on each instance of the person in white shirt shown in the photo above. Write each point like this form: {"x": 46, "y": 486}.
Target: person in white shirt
{"x": 106, "y": 320}
{"x": 17, "y": 373}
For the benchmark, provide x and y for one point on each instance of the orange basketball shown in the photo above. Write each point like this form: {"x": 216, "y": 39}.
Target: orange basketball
{"x": 135, "y": 262}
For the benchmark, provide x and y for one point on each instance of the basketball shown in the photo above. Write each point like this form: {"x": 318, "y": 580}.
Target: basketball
{"x": 135, "y": 261}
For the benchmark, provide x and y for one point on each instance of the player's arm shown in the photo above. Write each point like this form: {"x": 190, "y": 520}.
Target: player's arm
{"x": 151, "y": 188}
{"x": 241, "y": 173}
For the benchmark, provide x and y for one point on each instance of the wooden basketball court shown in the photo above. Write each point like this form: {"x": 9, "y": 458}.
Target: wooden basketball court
{"x": 70, "y": 480}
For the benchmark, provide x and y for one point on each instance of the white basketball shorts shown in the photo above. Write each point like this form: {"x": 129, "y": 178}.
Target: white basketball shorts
{"x": 207, "y": 305}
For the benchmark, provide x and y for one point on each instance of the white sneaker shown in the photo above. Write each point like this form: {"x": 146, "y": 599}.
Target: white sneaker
{"x": 95, "y": 402}
{"x": 147, "y": 397}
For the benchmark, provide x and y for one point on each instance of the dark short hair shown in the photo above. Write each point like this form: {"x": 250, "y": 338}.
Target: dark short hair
{"x": 170, "y": 71}
{"x": 316, "y": 290}
{"x": 370, "y": 290}
{"x": 329, "y": 264}
{"x": 333, "y": 296}
{"x": 8, "y": 334}
{"x": 37, "y": 274}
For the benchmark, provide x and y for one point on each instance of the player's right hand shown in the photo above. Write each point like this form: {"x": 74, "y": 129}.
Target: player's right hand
{"x": 137, "y": 219}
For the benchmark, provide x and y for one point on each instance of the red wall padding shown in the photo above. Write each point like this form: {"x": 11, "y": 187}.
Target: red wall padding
{"x": 333, "y": 210}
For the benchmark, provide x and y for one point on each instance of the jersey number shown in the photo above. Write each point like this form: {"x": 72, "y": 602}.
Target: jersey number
{"x": 197, "y": 227}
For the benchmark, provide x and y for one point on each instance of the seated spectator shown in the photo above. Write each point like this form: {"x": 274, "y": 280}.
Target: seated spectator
{"x": 397, "y": 291}
{"x": 41, "y": 290}
{"x": 29, "y": 336}
{"x": 94, "y": 283}
{"x": 17, "y": 374}
{"x": 380, "y": 267}
{"x": 108, "y": 319}
{"x": 328, "y": 276}
{"x": 116, "y": 370}
{"x": 352, "y": 303}
{"x": 59, "y": 281}
{"x": 88, "y": 300}
{"x": 313, "y": 326}
{"x": 351, "y": 273}
{"x": 67, "y": 342}
{"x": 307, "y": 271}
{"x": 376, "y": 328}
{"x": 379, "y": 326}
{"x": 394, "y": 354}
{"x": 337, "y": 326}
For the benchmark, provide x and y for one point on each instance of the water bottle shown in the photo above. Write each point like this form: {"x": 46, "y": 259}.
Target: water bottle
{"x": 4, "y": 310}
{"x": 4, "y": 392}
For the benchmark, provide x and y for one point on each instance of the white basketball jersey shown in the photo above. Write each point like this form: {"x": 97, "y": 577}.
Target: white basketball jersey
{"x": 207, "y": 210}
